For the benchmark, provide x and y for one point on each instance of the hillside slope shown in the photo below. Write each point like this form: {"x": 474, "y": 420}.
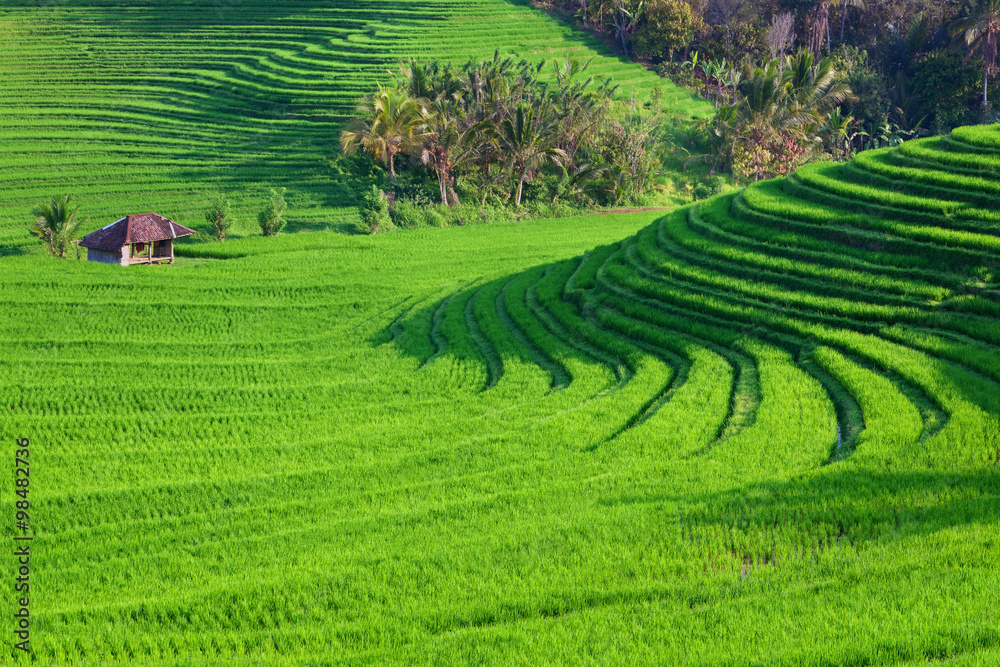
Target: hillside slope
{"x": 884, "y": 272}
{"x": 761, "y": 430}
{"x": 158, "y": 106}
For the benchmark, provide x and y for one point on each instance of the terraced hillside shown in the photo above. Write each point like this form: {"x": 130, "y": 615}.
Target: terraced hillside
{"x": 870, "y": 287}
{"x": 158, "y": 105}
{"x": 762, "y": 430}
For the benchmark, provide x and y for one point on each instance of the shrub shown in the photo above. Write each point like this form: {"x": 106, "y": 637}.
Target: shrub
{"x": 667, "y": 26}
{"x": 492, "y": 214}
{"x": 765, "y": 153}
{"x": 374, "y": 212}
{"x": 56, "y": 224}
{"x": 272, "y": 218}
{"x": 945, "y": 84}
{"x": 220, "y": 216}
{"x": 434, "y": 218}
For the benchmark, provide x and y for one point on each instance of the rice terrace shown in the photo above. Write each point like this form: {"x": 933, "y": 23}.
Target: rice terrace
{"x": 485, "y": 332}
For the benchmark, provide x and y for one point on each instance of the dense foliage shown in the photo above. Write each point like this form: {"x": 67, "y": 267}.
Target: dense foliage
{"x": 496, "y": 133}
{"x": 915, "y": 66}
{"x": 780, "y": 115}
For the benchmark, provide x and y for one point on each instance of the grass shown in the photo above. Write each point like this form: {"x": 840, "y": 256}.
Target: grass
{"x": 658, "y": 439}
{"x": 161, "y": 106}
{"x": 643, "y": 439}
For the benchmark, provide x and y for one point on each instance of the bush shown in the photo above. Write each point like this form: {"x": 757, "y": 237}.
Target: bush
{"x": 272, "y": 218}
{"x": 945, "y": 85}
{"x": 405, "y": 214}
{"x": 765, "y": 153}
{"x": 374, "y": 212}
{"x": 492, "y": 214}
{"x": 666, "y": 26}
{"x": 434, "y": 218}
{"x": 220, "y": 216}
{"x": 680, "y": 75}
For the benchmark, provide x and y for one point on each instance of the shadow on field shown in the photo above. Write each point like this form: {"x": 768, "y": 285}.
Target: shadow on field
{"x": 842, "y": 503}
{"x": 490, "y": 323}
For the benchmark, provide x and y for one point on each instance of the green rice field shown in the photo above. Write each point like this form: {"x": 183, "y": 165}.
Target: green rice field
{"x": 159, "y": 106}
{"x": 763, "y": 429}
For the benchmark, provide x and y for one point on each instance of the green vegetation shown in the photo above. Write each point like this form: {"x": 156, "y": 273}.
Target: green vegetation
{"x": 56, "y": 224}
{"x": 159, "y": 106}
{"x": 272, "y": 217}
{"x": 533, "y": 442}
{"x": 219, "y": 216}
{"x": 917, "y": 67}
{"x": 495, "y": 134}
{"x": 762, "y": 429}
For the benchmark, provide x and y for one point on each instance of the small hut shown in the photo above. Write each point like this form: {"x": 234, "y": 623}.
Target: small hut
{"x": 142, "y": 238}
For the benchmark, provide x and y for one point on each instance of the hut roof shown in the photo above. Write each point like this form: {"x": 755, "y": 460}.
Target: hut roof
{"x": 137, "y": 228}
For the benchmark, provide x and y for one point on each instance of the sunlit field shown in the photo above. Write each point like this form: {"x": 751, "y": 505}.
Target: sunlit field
{"x": 762, "y": 429}
{"x": 160, "y": 106}
{"x": 759, "y": 430}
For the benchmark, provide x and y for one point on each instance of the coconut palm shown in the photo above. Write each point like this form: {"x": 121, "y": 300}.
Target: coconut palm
{"x": 813, "y": 86}
{"x": 527, "y": 137}
{"x": 820, "y": 27}
{"x": 394, "y": 120}
{"x": 447, "y": 142}
{"x": 56, "y": 224}
{"x": 977, "y": 30}
{"x": 844, "y": 4}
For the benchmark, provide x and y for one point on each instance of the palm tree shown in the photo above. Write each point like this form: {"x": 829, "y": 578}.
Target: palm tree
{"x": 860, "y": 4}
{"x": 578, "y": 107}
{"x": 977, "y": 28}
{"x": 820, "y": 26}
{"x": 813, "y": 86}
{"x": 448, "y": 141}
{"x": 387, "y": 123}
{"x": 56, "y": 224}
{"x": 906, "y": 45}
{"x": 527, "y": 137}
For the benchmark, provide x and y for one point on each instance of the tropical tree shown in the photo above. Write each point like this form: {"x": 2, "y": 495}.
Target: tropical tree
{"x": 813, "y": 87}
{"x": 630, "y": 149}
{"x": 220, "y": 215}
{"x": 837, "y": 132}
{"x": 666, "y": 26}
{"x": 820, "y": 26}
{"x": 778, "y": 118}
{"x": 527, "y": 138}
{"x": 386, "y": 124}
{"x": 844, "y": 5}
{"x": 447, "y": 142}
{"x": 272, "y": 217}
{"x": 625, "y": 15}
{"x": 977, "y": 30}
{"x": 730, "y": 15}
{"x": 905, "y": 45}
{"x": 56, "y": 223}
{"x": 579, "y": 108}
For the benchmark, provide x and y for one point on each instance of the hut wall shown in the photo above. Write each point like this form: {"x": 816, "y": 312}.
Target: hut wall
{"x": 106, "y": 256}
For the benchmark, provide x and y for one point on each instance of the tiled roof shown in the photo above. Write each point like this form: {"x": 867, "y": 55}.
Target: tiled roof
{"x": 137, "y": 228}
